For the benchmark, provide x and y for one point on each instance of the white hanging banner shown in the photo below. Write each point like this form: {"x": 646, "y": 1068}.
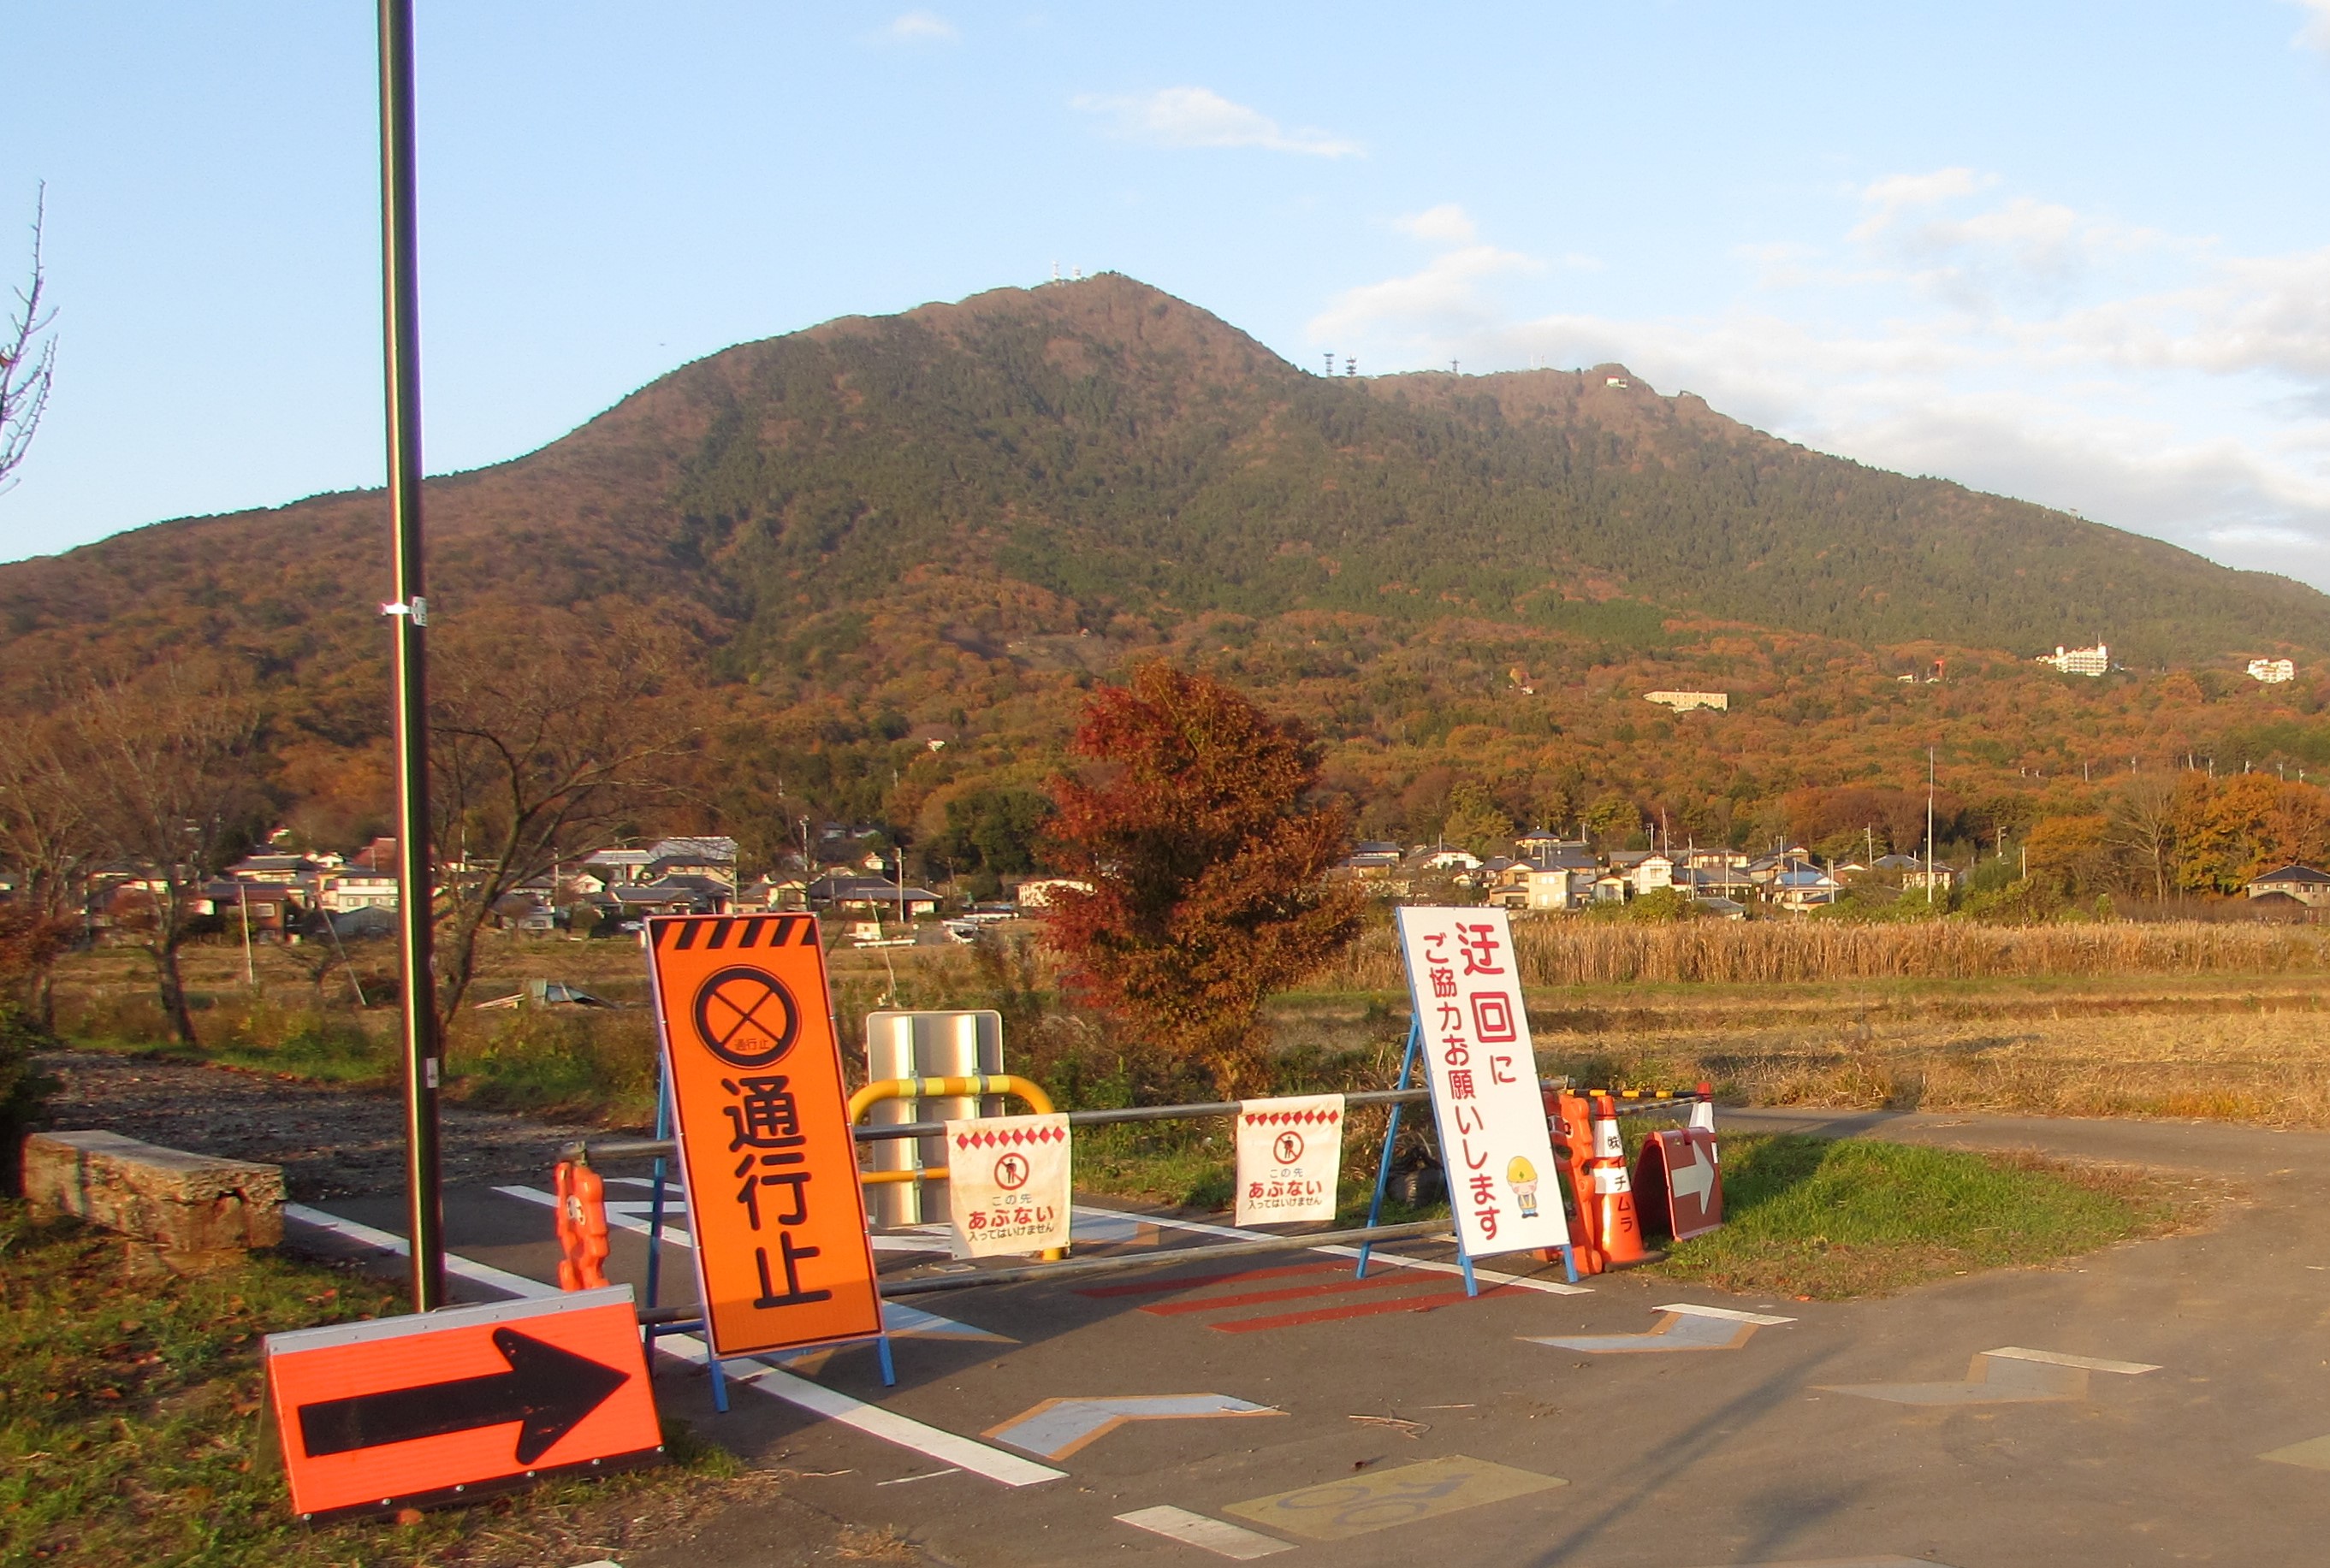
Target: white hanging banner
{"x": 1503, "y": 1186}
{"x": 1008, "y": 1184}
{"x": 1289, "y": 1153}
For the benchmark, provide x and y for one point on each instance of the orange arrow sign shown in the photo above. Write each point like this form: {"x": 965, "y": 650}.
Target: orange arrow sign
{"x": 442, "y": 1406}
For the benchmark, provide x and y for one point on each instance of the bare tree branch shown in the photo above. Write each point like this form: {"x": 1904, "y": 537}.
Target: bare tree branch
{"x": 545, "y": 741}
{"x": 167, "y": 771}
{"x": 28, "y": 358}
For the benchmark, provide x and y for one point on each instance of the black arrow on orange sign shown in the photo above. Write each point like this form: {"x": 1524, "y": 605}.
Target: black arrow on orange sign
{"x": 547, "y": 1389}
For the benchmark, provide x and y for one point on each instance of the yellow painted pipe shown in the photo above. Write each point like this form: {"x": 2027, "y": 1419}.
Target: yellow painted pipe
{"x": 976, "y": 1084}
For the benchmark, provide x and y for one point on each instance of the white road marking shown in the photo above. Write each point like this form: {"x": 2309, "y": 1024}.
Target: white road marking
{"x": 1231, "y": 1541}
{"x": 1729, "y": 1314}
{"x": 461, "y": 1267}
{"x": 2085, "y": 1363}
{"x": 1486, "y": 1276}
{"x": 870, "y": 1419}
{"x": 896, "y": 1316}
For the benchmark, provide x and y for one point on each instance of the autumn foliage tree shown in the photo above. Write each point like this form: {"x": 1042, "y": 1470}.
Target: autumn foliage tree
{"x": 1207, "y": 859}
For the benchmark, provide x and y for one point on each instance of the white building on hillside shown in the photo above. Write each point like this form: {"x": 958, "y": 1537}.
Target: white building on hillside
{"x": 2080, "y": 661}
{"x": 2272, "y": 672}
{"x": 1684, "y": 702}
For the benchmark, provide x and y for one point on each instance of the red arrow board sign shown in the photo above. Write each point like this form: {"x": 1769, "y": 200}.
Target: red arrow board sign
{"x": 439, "y": 1407}
{"x": 1678, "y": 1184}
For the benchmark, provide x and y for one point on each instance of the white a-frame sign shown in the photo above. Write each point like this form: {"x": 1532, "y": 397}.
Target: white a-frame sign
{"x": 1505, "y": 1186}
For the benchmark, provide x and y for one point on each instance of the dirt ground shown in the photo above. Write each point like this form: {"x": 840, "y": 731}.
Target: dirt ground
{"x": 331, "y": 1140}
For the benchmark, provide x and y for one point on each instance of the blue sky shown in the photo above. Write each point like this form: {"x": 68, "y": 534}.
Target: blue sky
{"x": 2078, "y": 254}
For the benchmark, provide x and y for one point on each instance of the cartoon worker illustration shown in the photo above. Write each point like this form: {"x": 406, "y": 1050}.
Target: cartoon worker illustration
{"x": 1523, "y": 1178}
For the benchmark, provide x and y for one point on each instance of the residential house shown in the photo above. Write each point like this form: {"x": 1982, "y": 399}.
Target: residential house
{"x": 2303, "y": 883}
{"x": 712, "y": 857}
{"x": 769, "y": 896}
{"x": 1039, "y": 892}
{"x": 1938, "y": 877}
{"x": 1556, "y": 888}
{"x": 270, "y": 907}
{"x": 871, "y": 895}
{"x": 672, "y": 895}
{"x": 1714, "y": 882}
{"x": 1653, "y": 872}
{"x": 1802, "y": 888}
{"x": 621, "y": 867}
{"x": 283, "y": 868}
{"x": 1703, "y": 859}
{"x": 1722, "y": 908}
{"x": 354, "y": 890}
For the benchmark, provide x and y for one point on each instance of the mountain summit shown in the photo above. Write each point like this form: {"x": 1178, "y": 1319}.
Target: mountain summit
{"x": 1103, "y": 445}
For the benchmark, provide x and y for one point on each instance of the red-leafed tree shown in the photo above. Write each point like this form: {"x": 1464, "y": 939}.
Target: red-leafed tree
{"x": 1206, "y": 860}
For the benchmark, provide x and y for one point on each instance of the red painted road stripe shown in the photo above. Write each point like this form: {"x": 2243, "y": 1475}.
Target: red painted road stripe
{"x": 1292, "y": 1293}
{"x": 1359, "y": 1309}
{"x": 1192, "y": 1281}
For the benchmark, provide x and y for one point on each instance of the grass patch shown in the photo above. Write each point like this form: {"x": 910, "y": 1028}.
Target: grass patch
{"x": 1827, "y": 1219}
{"x": 130, "y": 1427}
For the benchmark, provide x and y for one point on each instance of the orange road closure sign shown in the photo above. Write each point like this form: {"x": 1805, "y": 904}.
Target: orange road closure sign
{"x": 439, "y": 1407}
{"x": 783, "y": 1259}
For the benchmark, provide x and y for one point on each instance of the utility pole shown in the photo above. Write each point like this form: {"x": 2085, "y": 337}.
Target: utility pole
{"x": 409, "y": 618}
{"x": 1929, "y": 827}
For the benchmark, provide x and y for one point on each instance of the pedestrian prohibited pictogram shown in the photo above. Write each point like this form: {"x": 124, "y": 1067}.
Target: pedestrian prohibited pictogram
{"x": 1011, "y": 1172}
{"x": 746, "y": 1016}
{"x": 1290, "y": 1152}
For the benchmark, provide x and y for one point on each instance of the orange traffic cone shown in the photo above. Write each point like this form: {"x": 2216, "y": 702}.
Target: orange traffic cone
{"x": 1618, "y": 1229}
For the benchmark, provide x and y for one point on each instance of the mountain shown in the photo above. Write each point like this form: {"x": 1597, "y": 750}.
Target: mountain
{"x": 907, "y": 520}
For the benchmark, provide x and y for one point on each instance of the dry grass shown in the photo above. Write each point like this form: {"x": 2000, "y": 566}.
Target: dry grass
{"x": 1568, "y": 950}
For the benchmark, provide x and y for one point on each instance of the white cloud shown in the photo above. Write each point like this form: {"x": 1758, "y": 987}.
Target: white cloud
{"x": 2315, "y": 33}
{"x": 1196, "y": 116}
{"x": 1997, "y": 338}
{"x": 1447, "y": 223}
{"x": 921, "y": 27}
{"x": 1890, "y": 197}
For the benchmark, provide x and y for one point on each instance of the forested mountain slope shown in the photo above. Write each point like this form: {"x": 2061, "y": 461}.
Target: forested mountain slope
{"x": 1128, "y": 452}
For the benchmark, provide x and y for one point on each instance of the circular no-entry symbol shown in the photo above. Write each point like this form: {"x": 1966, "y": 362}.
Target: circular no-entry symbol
{"x": 1288, "y": 1147}
{"x": 746, "y": 1017}
{"x": 1011, "y": 1172}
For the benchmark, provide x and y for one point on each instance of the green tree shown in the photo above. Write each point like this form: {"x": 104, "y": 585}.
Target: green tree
{"x": 991, "y": 832}
{"x": 1474, "y": 822}
{"x": 1206, "y": 860}
{"x": 1614, "y": 820}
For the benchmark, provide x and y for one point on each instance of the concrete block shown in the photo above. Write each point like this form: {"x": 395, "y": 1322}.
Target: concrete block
{"x": 199, "y": 1212}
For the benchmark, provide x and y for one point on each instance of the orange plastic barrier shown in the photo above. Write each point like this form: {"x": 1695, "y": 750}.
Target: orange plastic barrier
{"x": 582, "y": 1194}
{"x": 1571, "y": 1119}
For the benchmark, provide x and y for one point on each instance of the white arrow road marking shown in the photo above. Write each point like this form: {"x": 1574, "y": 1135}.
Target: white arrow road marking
{"x": 2011, "y": 1375}
{"x": 1059, "y": 1427}
{"x": 1222, "y": 1540}
{"x": 1685, "y": 1327}
{"x": 816, "y": 1398}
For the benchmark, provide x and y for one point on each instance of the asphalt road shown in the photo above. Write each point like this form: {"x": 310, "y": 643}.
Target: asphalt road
{"x": 2117, "y": 1409}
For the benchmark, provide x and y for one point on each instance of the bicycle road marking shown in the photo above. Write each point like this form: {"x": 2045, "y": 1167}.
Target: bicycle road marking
{"x": 1362, "y": 1505}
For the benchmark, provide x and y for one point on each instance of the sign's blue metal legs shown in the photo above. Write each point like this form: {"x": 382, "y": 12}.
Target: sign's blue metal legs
{"x": 1391, "y": 1132}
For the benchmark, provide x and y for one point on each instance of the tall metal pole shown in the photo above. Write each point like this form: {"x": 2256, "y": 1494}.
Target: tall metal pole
{"x": 408, "y": 616}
